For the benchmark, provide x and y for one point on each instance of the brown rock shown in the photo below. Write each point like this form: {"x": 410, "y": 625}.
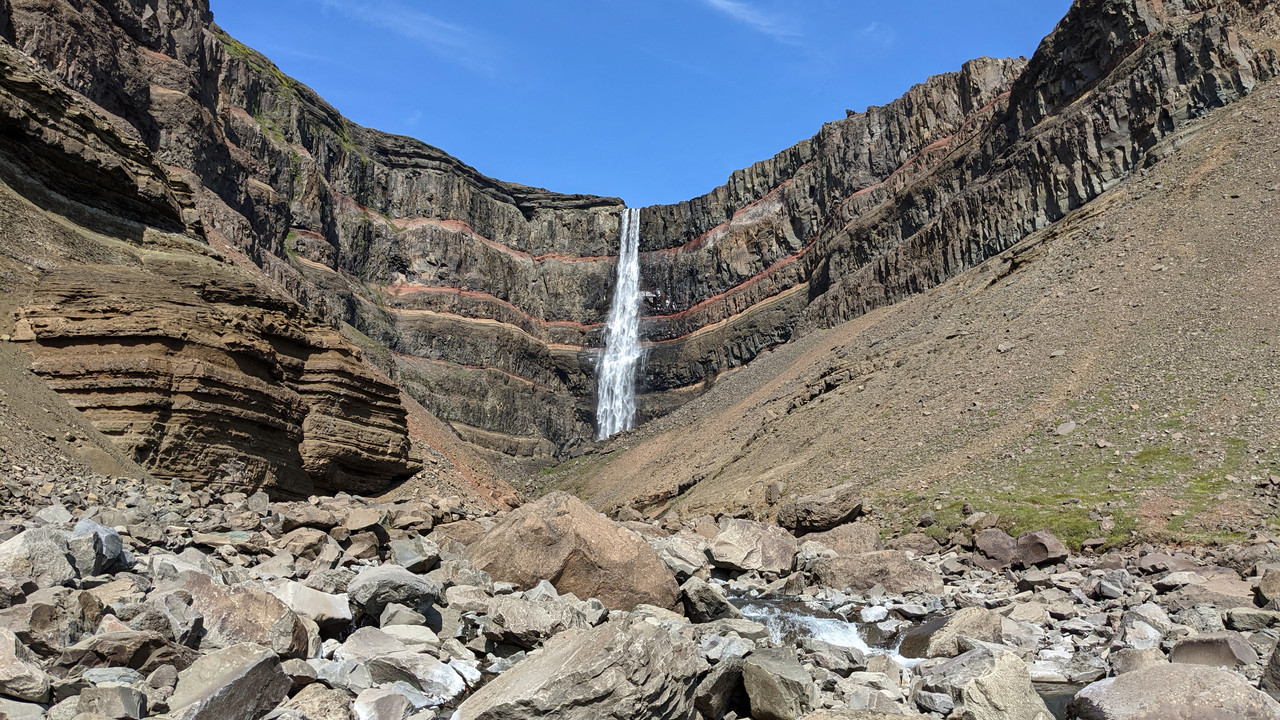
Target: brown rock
{"x": 1040, "y": 547}
{"x": 560, "y": 539}
{"x": 244, "y": 615}
{"x": 746, "y": 545}
{"x": 892, "y": 569}
{"x": 849, "y": 539}
{"x": 1227, "y": 648}
{"x": 141, "y": 651}
{"x": 997, "y": 546}
{"x": 822, "y": 510}
{"x": 944, "y": 641}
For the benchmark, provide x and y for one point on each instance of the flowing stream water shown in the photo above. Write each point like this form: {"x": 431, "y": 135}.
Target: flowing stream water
{"x": 616, "y": 404}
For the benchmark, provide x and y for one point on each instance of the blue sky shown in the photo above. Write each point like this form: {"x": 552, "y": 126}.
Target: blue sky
{"x": 653, "y": 101}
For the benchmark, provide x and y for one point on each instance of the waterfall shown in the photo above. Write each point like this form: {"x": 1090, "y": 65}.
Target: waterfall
{"x": 616, "y": 404}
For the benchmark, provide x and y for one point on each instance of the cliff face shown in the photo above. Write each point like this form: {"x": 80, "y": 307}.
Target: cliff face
{"x": 195, "y": 367}
{"x": 491, "y": 296}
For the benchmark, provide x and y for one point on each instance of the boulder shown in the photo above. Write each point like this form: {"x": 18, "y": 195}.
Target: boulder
{"x": 40, "y": 554}
{"x": 894, "y": 570}
{"x": 241, "y": 614}
{"x": 141, "y": 651}
{"x": 240, "y": 682}
{"x": 376, "y": 587}
{"x": 991, "y": 683}
{"x": 15, "y": 710}
{"x": 20, "y": 674}
{"x": 1227, "y": 648}
{"x": 381, "y": 704}
{"x": 684, "y": 554}
{"x": 777, "y": 686}
{"x": 105, "y": 553}
{"x": 325, "y": 609}
{"x": 320, "y": 702}
{"x": 1040, "y": 547}
{"x": 559, "y": 538}
{"x": 704, "y": 602}
{"x": 1186, "y": 692}
{"x": 119, "y": 702}
{"x": 852, "y": 538}
{"x": 721, "y": 690}
{"x": 945, "y": 641}
{"x": 745, "y": 545}
{"x": 528, "y": 623}
{"x": 822, "y": 510}
{"x": 626, "y": 668}
{"x": 996, "y": 546}
{"x": 1271, "y": 675}
{"x": 434, "y": 679}
{"x": 1127, "y": 660}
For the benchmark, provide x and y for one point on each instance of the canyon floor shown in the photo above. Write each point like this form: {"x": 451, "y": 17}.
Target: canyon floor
{"x": 1113, "y": 377}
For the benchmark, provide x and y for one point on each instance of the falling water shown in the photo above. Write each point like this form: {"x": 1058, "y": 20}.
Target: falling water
{"x": 616, "y": 408}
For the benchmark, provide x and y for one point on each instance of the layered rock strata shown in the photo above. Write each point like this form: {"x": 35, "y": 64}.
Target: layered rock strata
{"x": 491, "y": 296}
{"x": 196, "y": 367}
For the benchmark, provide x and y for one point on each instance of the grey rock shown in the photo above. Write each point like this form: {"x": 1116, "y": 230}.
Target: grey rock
{"x": 823, "y": 510}
{"x": 381, "y": 704}
{"x": 991, "y": 683}
{"x": 527, "y": 623}
{"x": 40, "y": 554}
{"x": 704, "y": 602}
{"x": 118, "y": 702}
{"x": 777, "y": 687}
{"x": 374, "y": 588}
{"x": 745, "y": 545}
{"x": 439, "y": 682}
{"x": 241, "y": 682}
{"x": 1127, "y": 660}
{"x": 1227, "y": 648}
{"x": 622, "y": 669}
{"x": 1187, "y": 692}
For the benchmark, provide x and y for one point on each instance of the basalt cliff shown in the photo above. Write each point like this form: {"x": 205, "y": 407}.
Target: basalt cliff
{"x": 246, "y": 236}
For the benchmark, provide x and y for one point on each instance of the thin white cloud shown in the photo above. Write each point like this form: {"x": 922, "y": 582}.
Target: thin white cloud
{"x": 877, "y": 33}
{"x": 778, "y": 26}
{"x": 453, "y": 42}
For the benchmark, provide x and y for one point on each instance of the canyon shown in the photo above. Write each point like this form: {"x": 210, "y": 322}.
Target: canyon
{"x": 486, "y": 301}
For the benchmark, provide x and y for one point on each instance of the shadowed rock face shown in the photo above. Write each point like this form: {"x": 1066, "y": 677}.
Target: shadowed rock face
{"x": 492, "y": 295}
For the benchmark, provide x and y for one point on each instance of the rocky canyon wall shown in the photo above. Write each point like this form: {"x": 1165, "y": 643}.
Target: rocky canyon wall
{"x": 491, "y": 296}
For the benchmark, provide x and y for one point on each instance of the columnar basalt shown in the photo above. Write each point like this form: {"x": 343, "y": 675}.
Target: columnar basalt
{"x": 492, "y": 296}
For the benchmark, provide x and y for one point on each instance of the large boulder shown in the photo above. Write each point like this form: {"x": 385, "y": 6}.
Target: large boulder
{"x": 376, "y": 587}
{"x": 822, "y": 510}
{"x": 745, "y": 545}
{"x": 852, "y": 538}
{"x": 1040, "y": 547}
{"x": 243, "y": 614}
{"x": 325, "y": 609}
{"x": 1185, "y": 692}
{"x": 623, "y": 669}
{"x": 40, "y": 554}
{"x": 894, "y": 570}
{"x": 141, "y": 651}
{"x": 703, "y": 602}
{"x": 1227, "y": 648}
{"x": 561, "y": 539}
{"x": 241, "y": 682}
{"x": 996, "y": 545}
{"x": 945, "y": 641}
{"x": 527, "y": 623}
{"x": 778, "y": 687}
{"x": 991, "y": 682}
{"x": 20, "y": 674}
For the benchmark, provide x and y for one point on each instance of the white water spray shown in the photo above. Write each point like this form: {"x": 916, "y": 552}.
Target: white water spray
{"x": 616, "y": 406}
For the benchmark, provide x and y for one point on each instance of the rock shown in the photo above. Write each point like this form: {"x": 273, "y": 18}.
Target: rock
{"x": 623, "y": 669}
{"x": 417, "y": 555}
{"x": 721, "y": 690}
{"x": 119, "y": 702}
{"x": 20, "y": 674}
{"x": 894, "y": 570}
{"x": 375, "y": 588}
{"x": 106, "y": 554}
{"x": 971, "y": 622}
{"x": 683, "y": 554}
{"x": 1271, "y": 676}
{"x": 704, "y": 602}
{"x": 141, "y": 651}
{"x": 240, "y": 682}
{"x": 745, "y": 545}
{"x": 319, "y": 702}
{"x": 991, "y": 683}
{"x": 14, "y": 710}
{"x": 323, "y": 608}
{"x": 436, "y": 680}
{"x": 381, "y": 704}
{"x": 40, "y": 554}
{"x": 997, "y": 546}
{"x": 561, "y": 539}
{"x": 822, "y": 510}
{"x": 1040, "y": 547}
{"x": 1187, "y": 692}
{"x": 838, "y": 659}
{"x": 528, "y": 623}
{"x": 1227, "y": 648}
{"x": 1250, "y": 619}
{"x": 918, "y": 543}
{"x": 1127, "y": 660}
{"x": 777, "y": 687}
{"x": 298, "y": 515}
{"x": 240, "y": 614}
{"x": 1268, "y": 588}
{"x": 852, "y": 538}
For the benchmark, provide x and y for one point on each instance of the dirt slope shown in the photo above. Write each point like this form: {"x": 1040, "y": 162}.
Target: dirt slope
{"x": 1149, "y": 319}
